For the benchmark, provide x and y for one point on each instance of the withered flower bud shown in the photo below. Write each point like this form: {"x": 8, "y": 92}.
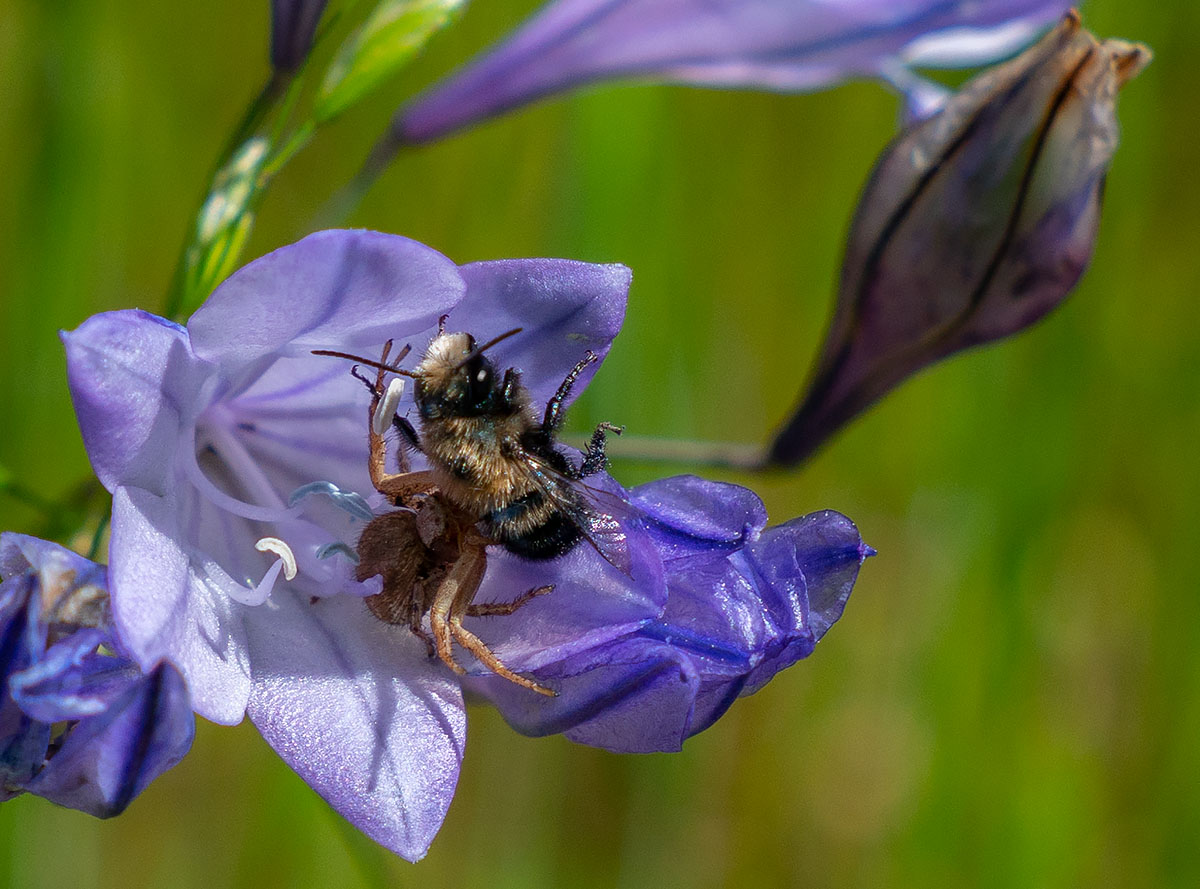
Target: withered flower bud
{"x": 974, "y": 224}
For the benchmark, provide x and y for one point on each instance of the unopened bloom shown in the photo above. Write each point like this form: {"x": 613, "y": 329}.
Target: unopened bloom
{"x": 80, "y": 723}
{"x": 973, "y": 226}
{"x": 787, "y": 45}
{"x": 293, "y": 26}
{"x": 205, "y": 433}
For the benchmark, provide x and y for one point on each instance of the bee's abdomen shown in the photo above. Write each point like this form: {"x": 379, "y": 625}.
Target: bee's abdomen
{"x": 532, "y": 528}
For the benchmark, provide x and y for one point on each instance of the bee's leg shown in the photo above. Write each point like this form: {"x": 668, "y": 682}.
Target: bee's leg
{"x": 553, "y": 417}
{"x": 497, "y": 609}
{"x": 594, "y": 457}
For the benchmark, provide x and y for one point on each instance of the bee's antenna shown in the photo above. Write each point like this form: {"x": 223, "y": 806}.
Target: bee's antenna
{"x": 378, "y": 365}
{"x": 479, "y": 350}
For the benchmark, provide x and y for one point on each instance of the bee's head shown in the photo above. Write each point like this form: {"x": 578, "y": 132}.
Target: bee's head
{"x": 456, "y": 378}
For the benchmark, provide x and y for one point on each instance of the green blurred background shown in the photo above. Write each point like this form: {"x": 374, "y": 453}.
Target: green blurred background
{"x": 1013, "y": 695}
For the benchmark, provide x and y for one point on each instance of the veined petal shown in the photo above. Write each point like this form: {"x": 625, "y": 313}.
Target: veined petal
{"x": 631, "y": 695}
{"x": 361, "y": 713}
{"x": 741, "y": 605}
{"x": 70, "y": 680}
{"x": 592, "y": 602}
{"x": 769, "y": 44}
{"x": 133, "y": 382}
{"x": 564, "y": 308}
{"x": 689, "y": 516}
{"x": 165, "y": 610}
{"x": 336, "y": 289}
{"x": 108, "y": 759}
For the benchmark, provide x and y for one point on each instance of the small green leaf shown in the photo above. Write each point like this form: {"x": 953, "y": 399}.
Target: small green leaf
{"x": 390, "y": 37}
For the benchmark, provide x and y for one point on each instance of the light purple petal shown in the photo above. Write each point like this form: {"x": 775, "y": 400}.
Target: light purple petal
{"x": 361, "y": 713}
{"x": 564, "y": 307}
{"x": 166, "y": 610}
{"x": 133, "y": 379}
{"x": 332, "y": 290}
{"x": 108, "y": 759}
{"x": 771, "y": 44}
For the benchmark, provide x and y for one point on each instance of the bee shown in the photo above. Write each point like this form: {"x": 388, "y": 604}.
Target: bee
{"x": 494, "y": 476}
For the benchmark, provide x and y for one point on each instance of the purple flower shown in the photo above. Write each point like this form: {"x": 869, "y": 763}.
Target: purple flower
{"x": 769, "y": 44}
{"x": 742, "y": 604}
{"x": 973, "y": 226}
{"x": 293, "y": 25}
{"x": 203, "y": 435}
{"x": 80, "y": 724}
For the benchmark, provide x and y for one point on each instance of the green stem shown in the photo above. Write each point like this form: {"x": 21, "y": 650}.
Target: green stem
{"x": 268, "y": 99}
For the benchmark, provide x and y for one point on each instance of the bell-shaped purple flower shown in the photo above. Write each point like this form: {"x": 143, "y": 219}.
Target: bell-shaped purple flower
{"x": 205, "y": 433}
{"x": 80, "y": 723}
{"x": 293, "y": 26}
{"x": 764, "y": 44}
{"x": 742, "y": 604}
{"x": 973, "y": 226}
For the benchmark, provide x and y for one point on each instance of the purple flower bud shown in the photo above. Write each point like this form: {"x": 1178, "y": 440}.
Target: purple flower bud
{"x": 767, "y": 44}
{"x": 204, "y": 434}
{"x": 61, "y": 665}
{"x": 293, "y": 25}
{"x": 973, "y": 226}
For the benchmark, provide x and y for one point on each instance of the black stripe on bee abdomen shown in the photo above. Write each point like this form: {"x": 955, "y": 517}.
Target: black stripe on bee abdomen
{"x": 531, "y": 529}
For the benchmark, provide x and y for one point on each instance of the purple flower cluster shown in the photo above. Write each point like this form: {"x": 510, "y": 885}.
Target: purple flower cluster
{"x": 80, "y": 723}
{"x": 237, "y": 461}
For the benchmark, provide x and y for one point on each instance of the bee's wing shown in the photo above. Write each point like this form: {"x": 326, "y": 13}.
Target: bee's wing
{"x": 594, "y": 512}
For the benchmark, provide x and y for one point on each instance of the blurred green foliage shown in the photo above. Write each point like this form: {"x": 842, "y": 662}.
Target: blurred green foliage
{"x": 1010, "y": 699}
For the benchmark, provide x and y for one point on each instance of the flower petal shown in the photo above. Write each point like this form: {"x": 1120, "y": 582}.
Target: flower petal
{"x": 632, "y": 695}
{"x": 70, "y": 680}
{"x": 771, "y": 44}
{"x": 807, "y": 568}
{"x": 592, "y": 602}
{"x": 108, "y": 759}
{"x": 166, "y": 609}
{"x": 361, "y": 713}
{"x": 133, "y": 380}
{"x": 690, "y": 516}
{"x": 334, "y": 289}
{"x": 564, "y": 307}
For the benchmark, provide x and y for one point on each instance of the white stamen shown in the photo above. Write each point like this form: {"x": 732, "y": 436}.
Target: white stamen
{"x": 381, "y": 420}
{"x": 281, "y": 549}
